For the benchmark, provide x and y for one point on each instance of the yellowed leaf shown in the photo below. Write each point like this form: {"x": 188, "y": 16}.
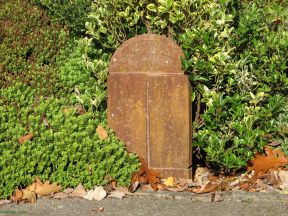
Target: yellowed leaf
{"x": 101, "y": 132}
{"x": 29, "y": 196}
{"x": 78, "y": 192}
{"x": 66, "y": 110}
{"x": 47, "y": 189}
{"x": 31, "y": 187}
{"x": 170, "y": 181}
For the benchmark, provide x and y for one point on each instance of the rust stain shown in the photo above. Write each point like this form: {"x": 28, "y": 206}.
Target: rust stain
{"x": 147, "y": 53}
{"x": 149, "y": 103}
{"x": 127, "y": 110}
{"x": 169, "y": 114}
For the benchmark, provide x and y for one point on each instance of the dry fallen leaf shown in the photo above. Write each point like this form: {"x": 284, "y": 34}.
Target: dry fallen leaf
{"x": 176, "y": 189}
{"x": 47, "y": 189}
{"x": 98, "y": 194}
{"x": 101, "y": 132}
{"x": 68, "y": 190}
{"x": 80, "y": 109}
{"x": 187, "y": 183}
{"x": 201, "y": 176}
{"x": 207, "y": 188}
{"x": 125, "y": 191}
{"x": 274, "y": 143}
{"x": 24, "y": 138}
{"x": 78, "y": 192}
{"x": 145, "y": 176}
{"x": 17, "y": 196}
{"x": 283, "y": 177}
{"x": 113, "y": 184}
{"x": 117, "y": 194}
{"x": 147, "y": 187}
{"x": 161, "y": 186}
{"x": 134, "y": 186}
{"x": 89, "y": 195}
{"x": 153, "y": 177}
{"x": 272, "y": 160}
{"x": 29, "y": 196}
{"x": 170, "y": 181}
{"x": 45, "y": 122}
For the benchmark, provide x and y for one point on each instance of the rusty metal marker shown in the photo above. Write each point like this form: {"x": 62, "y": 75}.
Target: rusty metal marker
{"x": 149, "y": 103}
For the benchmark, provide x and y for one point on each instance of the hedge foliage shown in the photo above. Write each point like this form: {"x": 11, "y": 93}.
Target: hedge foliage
{"x": 51, "y": 87}
{"x": 236, "y": 58}
{"x": 72, "y": 14}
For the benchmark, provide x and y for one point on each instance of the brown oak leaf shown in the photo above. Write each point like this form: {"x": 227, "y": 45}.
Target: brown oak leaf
{"x": 272, "y": 160}
{"x": 145, "y": 175}
{"x": 17, "y": 196}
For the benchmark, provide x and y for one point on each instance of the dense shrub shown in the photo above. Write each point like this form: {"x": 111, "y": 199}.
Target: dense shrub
{"x": 236, "y": 58}
{"x": 83, "y": 75}
{"x": 54, "y": 88}
{"x": 29, "y": 44}
{"x": 73, "y": 14}
{"x": 65, "y": 147}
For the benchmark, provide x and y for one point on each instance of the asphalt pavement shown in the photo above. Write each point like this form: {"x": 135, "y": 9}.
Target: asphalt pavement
{"x": 158, "y": 204}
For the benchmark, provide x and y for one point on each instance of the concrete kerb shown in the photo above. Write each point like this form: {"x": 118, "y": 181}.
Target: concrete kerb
{"x": 234, "y": 196}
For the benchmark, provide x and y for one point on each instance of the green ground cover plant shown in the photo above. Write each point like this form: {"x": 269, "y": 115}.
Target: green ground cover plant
{"x": 52, "y": 88}
{"x": 72, "y": 14}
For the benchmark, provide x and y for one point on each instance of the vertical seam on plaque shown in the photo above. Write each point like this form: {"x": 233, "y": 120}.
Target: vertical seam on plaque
{"x": 147, "y": 121}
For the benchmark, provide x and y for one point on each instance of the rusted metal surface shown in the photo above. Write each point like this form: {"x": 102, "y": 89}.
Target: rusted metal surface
{"x": 169, "y": 122}
{"x": 127, "y": 110}
{"x": 149, "y": 104}
{"x": 147, "y": 53}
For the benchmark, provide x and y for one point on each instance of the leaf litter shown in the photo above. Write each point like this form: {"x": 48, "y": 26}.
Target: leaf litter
{"x": 265, "y": 173}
